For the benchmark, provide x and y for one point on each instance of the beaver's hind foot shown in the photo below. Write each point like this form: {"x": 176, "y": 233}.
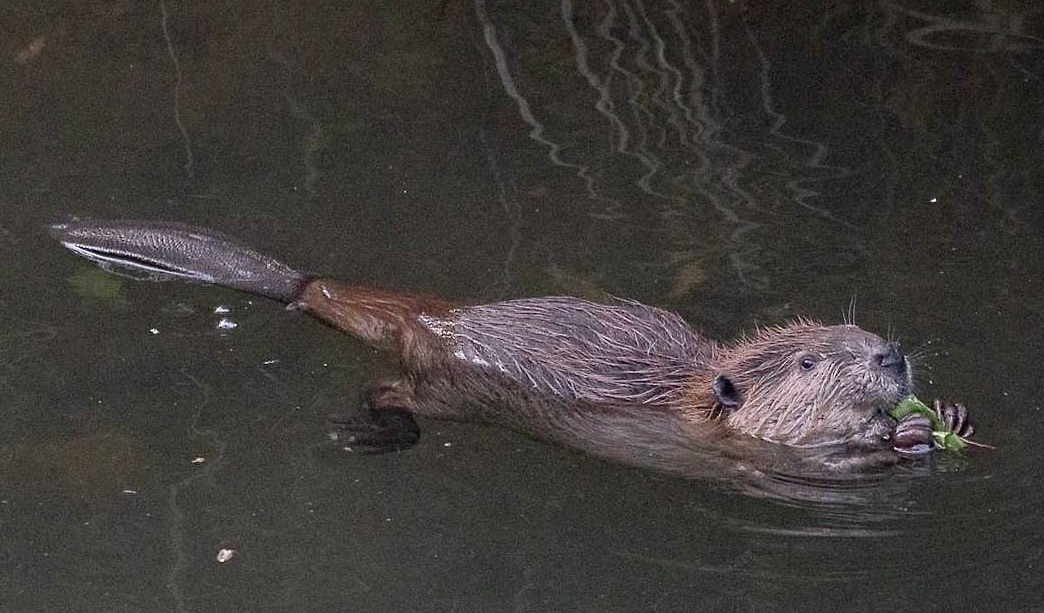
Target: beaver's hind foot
{"x": 375, "y": 430}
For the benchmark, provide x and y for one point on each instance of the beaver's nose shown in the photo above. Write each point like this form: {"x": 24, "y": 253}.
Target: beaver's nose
{"x": 890, "y": 357}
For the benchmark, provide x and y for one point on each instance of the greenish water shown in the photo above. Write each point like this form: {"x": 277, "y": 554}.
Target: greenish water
{"x": 740, "y": 163}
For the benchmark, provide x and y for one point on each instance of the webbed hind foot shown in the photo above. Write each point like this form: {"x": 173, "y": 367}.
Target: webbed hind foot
{"x": 385, "y": 422}
{"x": 375, "y": 430}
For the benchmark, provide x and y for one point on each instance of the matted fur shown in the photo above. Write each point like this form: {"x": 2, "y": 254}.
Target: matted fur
{"x": 602, "y": 353}
{"x": 783, "y": 402}
{"x": 631, "y": 353}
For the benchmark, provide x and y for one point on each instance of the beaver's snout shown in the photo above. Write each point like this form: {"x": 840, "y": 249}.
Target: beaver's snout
{"x": 890, "y": 357}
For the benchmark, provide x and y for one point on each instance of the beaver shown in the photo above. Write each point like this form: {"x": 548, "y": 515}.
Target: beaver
{"x": 624, "y": 381}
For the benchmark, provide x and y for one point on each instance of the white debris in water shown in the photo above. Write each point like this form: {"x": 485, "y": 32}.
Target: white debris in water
{"x": 153, "y": 330}
{"x": 222, "y": 310}
{"x": 198, "y": 460}
{"x": 224, "y": 555}
{"x": 269, "y": 362}
{"x": 226, "y": 324}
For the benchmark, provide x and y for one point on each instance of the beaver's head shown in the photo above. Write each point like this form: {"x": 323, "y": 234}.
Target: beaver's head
{"x": 806, "y": 384}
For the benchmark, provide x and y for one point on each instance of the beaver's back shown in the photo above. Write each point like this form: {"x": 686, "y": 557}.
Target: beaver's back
{"x": 568, "y": 347}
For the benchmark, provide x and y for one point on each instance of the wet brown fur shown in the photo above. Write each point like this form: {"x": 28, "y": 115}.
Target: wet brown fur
{"x": 448, "y": 353}
{"x": 830, "y": 403}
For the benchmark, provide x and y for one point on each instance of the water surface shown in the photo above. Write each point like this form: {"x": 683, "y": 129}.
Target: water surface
{"x": 738, "y": 162}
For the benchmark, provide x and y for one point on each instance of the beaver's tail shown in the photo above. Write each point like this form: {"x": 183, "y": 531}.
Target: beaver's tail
{"x": 162, "y": 249}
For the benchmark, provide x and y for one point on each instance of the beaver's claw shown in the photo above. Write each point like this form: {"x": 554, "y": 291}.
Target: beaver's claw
{"x": 913, "y": 435}
{"x": 954, "y": 417}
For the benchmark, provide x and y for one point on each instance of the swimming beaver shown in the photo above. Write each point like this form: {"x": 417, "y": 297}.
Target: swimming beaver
{"x": 623, "y": 380}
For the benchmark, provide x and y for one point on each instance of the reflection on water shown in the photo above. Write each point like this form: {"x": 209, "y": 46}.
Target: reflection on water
{"x": 668, "y": 132}
{"x": 736, "y": 161}
{"x": 998, "y": 28}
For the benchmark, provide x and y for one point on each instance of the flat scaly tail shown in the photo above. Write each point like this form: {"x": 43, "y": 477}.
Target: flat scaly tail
{"x": 160, "y": 250}
{"x": 172, "y": 250}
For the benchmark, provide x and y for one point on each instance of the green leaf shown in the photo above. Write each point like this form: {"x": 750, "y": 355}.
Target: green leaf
{"x": 911, "y": 404}
{"x": 943, "y": 438}
{"x": 949, "y": 441}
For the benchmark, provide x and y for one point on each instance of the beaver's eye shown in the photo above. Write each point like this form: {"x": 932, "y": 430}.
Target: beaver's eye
{"x": 807, "y": 362}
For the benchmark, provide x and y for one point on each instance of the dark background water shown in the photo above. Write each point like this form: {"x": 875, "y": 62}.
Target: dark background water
{"x": 738, "y": 162}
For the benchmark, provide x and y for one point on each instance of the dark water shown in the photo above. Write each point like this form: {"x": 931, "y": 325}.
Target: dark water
{"x": 739, "y": 162}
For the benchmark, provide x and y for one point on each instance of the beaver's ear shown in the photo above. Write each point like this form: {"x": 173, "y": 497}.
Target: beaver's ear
{"x": 726, "y": 393}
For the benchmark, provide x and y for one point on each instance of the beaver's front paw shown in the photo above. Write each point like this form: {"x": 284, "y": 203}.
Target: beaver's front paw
{"x": 954, "y": 417}
{"x": 913, "y": 435}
